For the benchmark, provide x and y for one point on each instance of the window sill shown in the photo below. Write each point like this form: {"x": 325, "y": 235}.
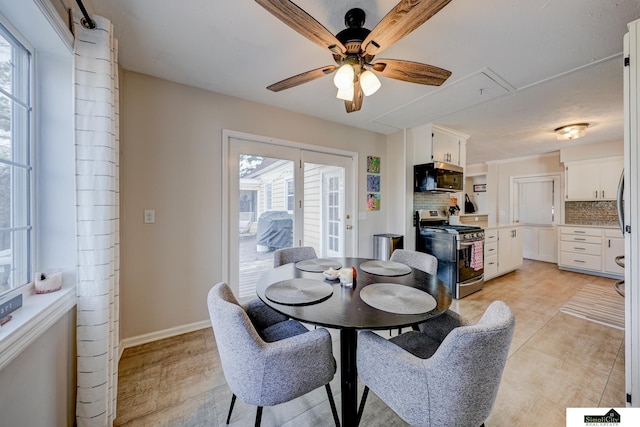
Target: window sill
{"x": 37, "y": 314}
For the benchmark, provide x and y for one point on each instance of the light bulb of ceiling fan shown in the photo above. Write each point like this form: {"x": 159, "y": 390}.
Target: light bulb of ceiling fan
{"x": 346, "y": 94}
{"x": 344, "y": 77}
{"x": 369, "y": 83}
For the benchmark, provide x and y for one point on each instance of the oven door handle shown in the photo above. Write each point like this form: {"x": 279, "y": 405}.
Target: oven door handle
{"x": 468, "y": 243}
{"x": 475, "y": 282}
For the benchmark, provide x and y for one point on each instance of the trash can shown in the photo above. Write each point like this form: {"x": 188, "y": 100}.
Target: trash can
{"x": 385, "y": 244}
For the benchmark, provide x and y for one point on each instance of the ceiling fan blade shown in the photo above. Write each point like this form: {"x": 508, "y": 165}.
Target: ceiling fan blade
{"x": 356, "y": 103}
{"x": 408, "y": 71}
{"x": 299, "y": 20}
{"x": 400, "y": 21}
{"x": 302, "y": 78}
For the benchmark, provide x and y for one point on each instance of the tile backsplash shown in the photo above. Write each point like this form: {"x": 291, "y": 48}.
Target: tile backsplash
{"x": 602, "y": 213}
{"x": 431, "y": 201}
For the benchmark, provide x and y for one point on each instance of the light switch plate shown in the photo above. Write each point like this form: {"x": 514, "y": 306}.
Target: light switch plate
{"x": 149, "y": 216}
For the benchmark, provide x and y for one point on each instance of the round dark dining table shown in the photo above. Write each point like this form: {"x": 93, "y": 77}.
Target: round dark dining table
{"x": 345, "y": 310}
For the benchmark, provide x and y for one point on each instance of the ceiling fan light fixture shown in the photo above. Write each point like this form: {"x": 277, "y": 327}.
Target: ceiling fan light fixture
{"x": 344, "y": 77}
{"x": 346, "y": 94}
{"x": 369, "y": 83}
{"x": 570, "y": 132}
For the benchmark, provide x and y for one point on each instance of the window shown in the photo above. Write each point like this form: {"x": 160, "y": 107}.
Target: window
{"x": 290, "y": 195}
{"x": 268, "y": 196}
{"x": 15, "y": 162}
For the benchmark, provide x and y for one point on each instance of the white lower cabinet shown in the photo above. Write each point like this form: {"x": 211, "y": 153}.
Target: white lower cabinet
{"x": 613, "y": 246}
{"x": 590, "y": 250}
{"x": 502, "y": 250}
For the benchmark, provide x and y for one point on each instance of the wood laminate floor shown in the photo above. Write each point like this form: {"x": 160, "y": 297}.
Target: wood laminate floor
{"x": 556, "y": 361}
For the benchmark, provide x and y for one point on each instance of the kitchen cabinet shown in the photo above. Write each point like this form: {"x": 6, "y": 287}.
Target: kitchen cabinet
{"x": 446, "y": 147}
{"x": 509, "y": 249}
{"x": 490, "y": 253}
{"x": 590, "y": 250}
{"x": 613, "y": 246}
{"x": 593, "y": 180}
{"x": 431, "y": 142}
{"x": 502, "y": 250}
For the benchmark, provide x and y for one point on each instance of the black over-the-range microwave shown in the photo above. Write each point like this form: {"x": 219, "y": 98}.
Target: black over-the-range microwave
{"x": 437, "y": 176}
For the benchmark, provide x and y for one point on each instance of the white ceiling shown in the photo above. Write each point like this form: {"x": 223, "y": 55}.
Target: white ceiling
{"x": 520, "y": 68}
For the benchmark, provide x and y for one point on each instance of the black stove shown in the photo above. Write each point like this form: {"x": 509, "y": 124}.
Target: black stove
{"x": 458, "y": 248}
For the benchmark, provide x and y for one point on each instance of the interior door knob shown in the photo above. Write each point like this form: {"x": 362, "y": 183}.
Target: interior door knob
{"x": 349, "y": 227}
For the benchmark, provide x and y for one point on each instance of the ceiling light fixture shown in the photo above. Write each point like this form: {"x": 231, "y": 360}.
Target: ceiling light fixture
{"x": 570, "y": 132}
{"x": 369, "y": 83}
{"x": 344, "y": 77}
{"x": 346, "y": 93}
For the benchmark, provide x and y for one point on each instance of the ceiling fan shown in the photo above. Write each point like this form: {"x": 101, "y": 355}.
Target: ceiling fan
{"x": 355, "y": 47}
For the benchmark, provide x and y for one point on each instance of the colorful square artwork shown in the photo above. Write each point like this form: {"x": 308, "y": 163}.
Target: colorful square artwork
{"x": 373, "y": 164}
{"x": 373, "y": 202}
{"x": 373, "y": 183}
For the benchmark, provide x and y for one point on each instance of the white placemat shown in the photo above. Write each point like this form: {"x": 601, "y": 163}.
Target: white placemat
{"x": 299, "y": 291}
{"x": 399, "y": 299}
{"x": 318, "y": 265}
{"x": 385, "y": 268}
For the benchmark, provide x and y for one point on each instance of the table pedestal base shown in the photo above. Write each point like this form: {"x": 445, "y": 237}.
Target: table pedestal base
{"x": 349, "y": 377}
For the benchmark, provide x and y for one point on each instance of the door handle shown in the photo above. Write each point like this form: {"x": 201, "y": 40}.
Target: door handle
{"x": 349, "y": 227}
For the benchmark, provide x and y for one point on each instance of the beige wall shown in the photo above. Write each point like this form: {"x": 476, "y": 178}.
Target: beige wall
{"x": 499, "y": 180}
{"x": 38, "y": 388}
{"x": 171, "y": 148}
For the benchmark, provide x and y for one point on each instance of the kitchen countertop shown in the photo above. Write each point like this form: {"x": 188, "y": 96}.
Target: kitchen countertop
{"x": 614, "y": 226}
{"x": 502, "y": 224}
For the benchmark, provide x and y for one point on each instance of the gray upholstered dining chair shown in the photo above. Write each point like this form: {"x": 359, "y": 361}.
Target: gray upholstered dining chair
{"x": 447, "y": 374}
{"x": 267, "y": 359}
{"x": 419, "y": 260}
{"x": 288, "y": 255}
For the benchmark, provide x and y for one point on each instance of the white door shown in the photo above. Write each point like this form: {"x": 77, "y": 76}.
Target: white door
{"x": 328, "y": 219}
{"x": 295, "y": 197}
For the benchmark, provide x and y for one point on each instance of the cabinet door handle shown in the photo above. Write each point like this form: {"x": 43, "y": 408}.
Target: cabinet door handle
{"x": 579, "y": 260}
{"x": 596, "y": 194}
{"x": 579, "y": 239}
{"x": 603, "y": 194}
{"x": 580, "y": 249}
{"x": 579, "y": 231}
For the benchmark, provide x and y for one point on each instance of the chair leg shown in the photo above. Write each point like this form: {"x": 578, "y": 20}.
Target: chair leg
{"x": 362, "y": 402}
{"x": 259, "y": 416}
{"x": 334, "y": 411}
{"x": 233, "y": 402}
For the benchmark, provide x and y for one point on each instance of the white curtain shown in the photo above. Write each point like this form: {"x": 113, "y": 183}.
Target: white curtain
{"x": 98, "y": 206}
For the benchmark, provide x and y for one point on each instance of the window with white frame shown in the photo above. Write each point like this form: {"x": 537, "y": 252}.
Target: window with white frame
{"x": 15, "y": 162}
{"x": 289, "y": 188}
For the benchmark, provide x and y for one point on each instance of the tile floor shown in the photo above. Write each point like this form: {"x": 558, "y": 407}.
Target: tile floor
{"x": 556, "y": 361}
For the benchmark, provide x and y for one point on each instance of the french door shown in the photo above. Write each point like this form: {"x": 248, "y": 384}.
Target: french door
{"x": 283, "y": 195}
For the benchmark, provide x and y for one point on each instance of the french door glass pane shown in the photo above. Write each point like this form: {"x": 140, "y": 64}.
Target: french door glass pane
{"x": 265, "y": 221}
{"x": 324, "y": 209}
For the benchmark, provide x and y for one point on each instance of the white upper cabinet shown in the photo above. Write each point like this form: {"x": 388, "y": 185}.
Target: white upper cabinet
{"x": 593, "y": 180}
{"x": 434, "y": 143}
{"x": 446, "y": 147}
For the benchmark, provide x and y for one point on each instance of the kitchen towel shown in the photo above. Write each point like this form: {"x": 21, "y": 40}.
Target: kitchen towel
{"x": 477, "y": 255}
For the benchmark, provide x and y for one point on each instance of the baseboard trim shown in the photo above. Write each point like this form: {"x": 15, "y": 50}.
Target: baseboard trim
{"x": 166, "y": 333}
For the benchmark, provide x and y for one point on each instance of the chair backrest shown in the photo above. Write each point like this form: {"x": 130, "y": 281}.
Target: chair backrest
{"x": 239, "y": 345}
{"x": 464, "y": 373}
{"x": 419, "y": 260}
{"x": 246, "y": 219}
{"x": 288, "y": 255}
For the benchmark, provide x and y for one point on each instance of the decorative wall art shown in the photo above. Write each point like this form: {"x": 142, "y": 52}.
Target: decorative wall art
{"x": 373, "y": 183}
{"x": 373, "y": 202}
{"x": 373, "y": 164}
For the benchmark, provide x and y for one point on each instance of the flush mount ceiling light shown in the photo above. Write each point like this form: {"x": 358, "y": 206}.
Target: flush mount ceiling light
{"x": 569, "y": 132}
